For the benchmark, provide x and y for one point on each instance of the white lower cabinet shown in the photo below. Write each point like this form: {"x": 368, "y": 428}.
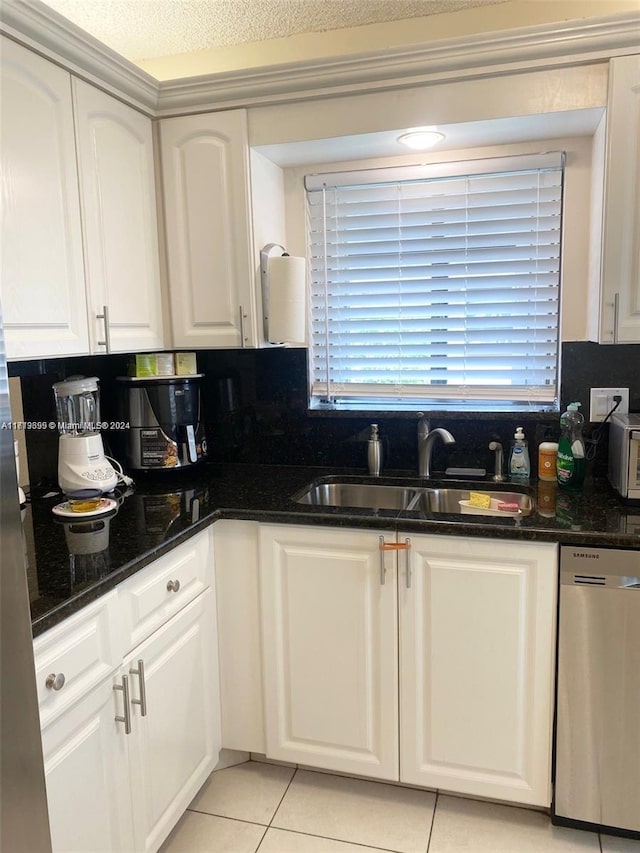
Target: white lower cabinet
{"x": 470, "y": 708}
{"x": 121, "y": 773}
{"x": 86, "y": 765}
{"x": 330, "y": 650}
{"x": 175, "y": 745}
{"x": 477, "y": 646}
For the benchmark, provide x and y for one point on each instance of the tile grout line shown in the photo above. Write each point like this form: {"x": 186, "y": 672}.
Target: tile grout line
{"x": 332, "y": 838}
{"x": 433, "y": 820}
{"x": 226, "y": 817}
{"x": 275, "y": 811}
{"x": 328, "y": 837}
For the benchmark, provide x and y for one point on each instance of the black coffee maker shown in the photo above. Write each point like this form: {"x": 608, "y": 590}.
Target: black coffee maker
{"x": 162, "y": 424}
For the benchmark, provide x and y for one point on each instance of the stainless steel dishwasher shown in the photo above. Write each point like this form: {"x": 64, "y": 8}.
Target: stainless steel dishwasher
{"x": 597, "y": 750}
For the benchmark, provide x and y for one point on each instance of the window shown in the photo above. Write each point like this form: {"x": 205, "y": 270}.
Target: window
{"x": 437, "y": 285}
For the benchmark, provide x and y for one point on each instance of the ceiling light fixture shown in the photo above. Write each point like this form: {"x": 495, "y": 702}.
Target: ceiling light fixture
{"x": 421, "y": 139}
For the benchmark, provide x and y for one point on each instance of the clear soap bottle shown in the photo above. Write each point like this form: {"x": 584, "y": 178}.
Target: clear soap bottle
{"x": 519, "y": 464}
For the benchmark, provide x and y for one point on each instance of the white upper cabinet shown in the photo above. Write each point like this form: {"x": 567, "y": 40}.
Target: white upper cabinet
{"x": 79, "y": 217}
{"x": 620, "y": 305}
{"x": 42, "y": 276}
{"x": 115, "y": 158}
{"x": 205, "y": 169}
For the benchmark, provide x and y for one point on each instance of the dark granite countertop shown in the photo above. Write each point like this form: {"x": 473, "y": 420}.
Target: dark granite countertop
{"x": 72, "y": 564}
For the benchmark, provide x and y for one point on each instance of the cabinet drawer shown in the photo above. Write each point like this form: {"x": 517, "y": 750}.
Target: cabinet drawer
{"x": 164, "y": 587}
{"x": 75, "y": 656}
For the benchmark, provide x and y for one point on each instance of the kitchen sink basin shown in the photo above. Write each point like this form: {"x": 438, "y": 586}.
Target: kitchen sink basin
{"x": 357, "y": 495}
{"x": 453, "y": 500}
{"x": 416, "y": 497}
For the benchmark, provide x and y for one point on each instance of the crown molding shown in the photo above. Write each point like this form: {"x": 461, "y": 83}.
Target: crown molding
{"x": 546, "y": 46}
{"x": 564, "y": 43}
{"x": 45, "y": 31}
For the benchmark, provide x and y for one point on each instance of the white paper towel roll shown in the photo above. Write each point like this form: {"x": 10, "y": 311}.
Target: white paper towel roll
{"x": 287, "y": 300}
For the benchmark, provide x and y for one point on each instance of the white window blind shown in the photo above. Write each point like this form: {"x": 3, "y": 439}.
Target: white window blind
{"x": 437, "y": 283}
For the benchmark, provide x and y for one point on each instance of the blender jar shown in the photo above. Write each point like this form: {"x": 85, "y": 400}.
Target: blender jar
{"x": 77, "y": 405}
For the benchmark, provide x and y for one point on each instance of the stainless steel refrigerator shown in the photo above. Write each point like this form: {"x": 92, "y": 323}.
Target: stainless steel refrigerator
{"x": 24, "y": 821}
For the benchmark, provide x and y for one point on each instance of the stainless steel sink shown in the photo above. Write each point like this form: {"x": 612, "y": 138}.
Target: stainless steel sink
{"x": 412, "y": 497}
{"x": 357, "y": 495}
{"x": 448, "y": 500}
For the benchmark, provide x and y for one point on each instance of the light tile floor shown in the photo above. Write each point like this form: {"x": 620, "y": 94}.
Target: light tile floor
{"x": 266, "y": 808}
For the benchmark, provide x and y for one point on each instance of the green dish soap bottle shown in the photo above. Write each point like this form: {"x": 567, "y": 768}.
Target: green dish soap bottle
{"x": 571, "y": 453}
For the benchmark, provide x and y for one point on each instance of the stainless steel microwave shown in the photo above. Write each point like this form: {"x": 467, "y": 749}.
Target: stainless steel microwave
{"x": 624, "y": 455}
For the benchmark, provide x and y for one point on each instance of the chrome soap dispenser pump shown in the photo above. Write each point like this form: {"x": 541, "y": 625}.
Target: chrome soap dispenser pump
{"x": 374, "y": 452}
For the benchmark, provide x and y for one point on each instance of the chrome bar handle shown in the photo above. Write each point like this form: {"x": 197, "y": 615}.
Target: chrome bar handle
{"x": 407, "y": 555}
{"x": 390, "y": 546}
{"x": 616, "y": 316}
{"x": 242, "y": 319}
{"x": 107, "y": 333}
{"x": 142, "y": 701}
{"x": 126, "y": 719}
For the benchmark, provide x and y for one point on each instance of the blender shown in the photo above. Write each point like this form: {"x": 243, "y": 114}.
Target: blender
{"x": 81, "y": 460}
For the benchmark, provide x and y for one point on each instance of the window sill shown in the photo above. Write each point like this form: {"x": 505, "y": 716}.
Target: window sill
{"x": 395, "y": 408}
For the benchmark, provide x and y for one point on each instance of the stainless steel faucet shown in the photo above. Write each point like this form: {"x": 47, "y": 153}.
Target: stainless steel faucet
{"x": 426, "y": 439}
{"x": 498, "y": 476}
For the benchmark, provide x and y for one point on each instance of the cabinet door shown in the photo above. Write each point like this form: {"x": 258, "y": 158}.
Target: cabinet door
{"x": 115, "y": 157}
{"x": 205, "y": 168}
{"x": 477, "y": 666}
{"x": 177, "y": 742}
{"x": 42, "y": 276}
{"x": 330, "y": 649}
{"x": 86, "y": 768}
{"x": 620, "y": 321}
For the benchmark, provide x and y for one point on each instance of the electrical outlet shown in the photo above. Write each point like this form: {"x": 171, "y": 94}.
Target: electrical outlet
{"x": 601, "y": 402}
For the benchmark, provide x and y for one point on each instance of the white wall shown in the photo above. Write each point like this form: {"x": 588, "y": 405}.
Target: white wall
{"x": 506, "y": 96}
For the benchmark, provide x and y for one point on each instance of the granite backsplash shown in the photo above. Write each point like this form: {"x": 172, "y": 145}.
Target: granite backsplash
{"x": 255, "y": 409}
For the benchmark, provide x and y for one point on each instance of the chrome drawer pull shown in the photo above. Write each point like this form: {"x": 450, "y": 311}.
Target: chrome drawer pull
{"x": 173, "y": 586}
{"x": 142, "y": 701}
{"x": 126, "y": 719}
{"x": 55, "y": 681}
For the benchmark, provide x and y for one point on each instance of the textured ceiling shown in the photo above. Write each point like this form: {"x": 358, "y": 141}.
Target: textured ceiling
{"x": 145, "y": 29}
